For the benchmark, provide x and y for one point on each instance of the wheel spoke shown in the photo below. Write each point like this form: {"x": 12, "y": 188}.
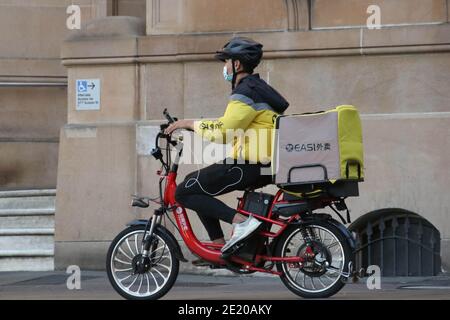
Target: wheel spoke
{"x": 295, "y": 279}
{"x": 133, "y": 282}
{"x": 160, "y": 258}
{"x": 325, "y": 239}
{"x": 163, "y": 246}
{"x": 321, "y": 282}
{"x": 123, "y": 252}
{"x": 164, "y": 266}
{"x": 123, "y": 270}
{"x": 332, "y": 244}
{"x": 312, "y": 283}
{"x": 140, "y": 284}
{"x": 304, "y": 280}
{"x": 148, "y": 284}
{"x": 154, "y": 279}
{"x": 136, "y": 243}
{"x": 121, "y": 280}
{"x": 129, "y": 247}
{"x": 121, "y": 261}
{"x": 162, "y": 276}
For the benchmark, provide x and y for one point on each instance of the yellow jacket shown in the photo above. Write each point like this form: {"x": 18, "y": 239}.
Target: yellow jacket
{"x": 248, "y": 121}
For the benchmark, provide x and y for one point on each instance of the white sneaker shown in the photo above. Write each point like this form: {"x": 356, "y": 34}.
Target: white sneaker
{"x": 241, "y": 231}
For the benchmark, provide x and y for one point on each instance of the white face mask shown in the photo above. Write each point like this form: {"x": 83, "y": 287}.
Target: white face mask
{"x": 226, "y": 76}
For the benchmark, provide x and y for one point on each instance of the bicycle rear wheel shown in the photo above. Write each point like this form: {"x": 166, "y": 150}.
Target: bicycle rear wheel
{"x": 327, "y": 259}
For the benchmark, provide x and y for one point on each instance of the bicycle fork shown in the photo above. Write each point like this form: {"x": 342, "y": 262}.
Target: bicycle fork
{"x": 148, "y": 236}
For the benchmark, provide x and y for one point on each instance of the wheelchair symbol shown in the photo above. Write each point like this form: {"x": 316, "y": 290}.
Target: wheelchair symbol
{"x": 82, "y": 86}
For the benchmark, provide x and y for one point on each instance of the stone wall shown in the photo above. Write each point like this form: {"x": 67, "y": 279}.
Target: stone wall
{"x": 318, "y": 56}
{"x": 33, "y": 93}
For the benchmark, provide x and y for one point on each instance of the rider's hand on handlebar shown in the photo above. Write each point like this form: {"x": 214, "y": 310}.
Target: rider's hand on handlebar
{"x": 180, "y": 124}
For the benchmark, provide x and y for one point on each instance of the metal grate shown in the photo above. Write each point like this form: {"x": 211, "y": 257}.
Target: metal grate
{"x": 400, "y": 242}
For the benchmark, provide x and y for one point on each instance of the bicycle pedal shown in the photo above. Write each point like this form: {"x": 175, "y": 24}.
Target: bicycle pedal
{"x": 238, "y": 245}
{"x": 227, "y": 254}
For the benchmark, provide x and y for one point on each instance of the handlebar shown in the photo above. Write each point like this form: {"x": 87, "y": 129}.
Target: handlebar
{"x": 169, "y": 117}
{"x": 157, "y": 152}
{"x": 170, "y": 120}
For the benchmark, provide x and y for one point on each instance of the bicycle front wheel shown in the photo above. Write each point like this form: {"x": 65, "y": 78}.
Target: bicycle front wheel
{"x": 138, "y": 278}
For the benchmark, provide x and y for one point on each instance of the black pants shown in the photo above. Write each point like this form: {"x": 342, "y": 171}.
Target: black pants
{"x": 214, "y": 180}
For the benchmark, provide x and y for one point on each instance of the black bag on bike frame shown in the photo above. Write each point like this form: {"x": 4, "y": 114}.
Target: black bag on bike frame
{"x": 257, "y": 203}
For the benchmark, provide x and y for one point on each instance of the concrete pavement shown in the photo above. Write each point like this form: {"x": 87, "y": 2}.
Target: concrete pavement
{"x": 95, "y": 286}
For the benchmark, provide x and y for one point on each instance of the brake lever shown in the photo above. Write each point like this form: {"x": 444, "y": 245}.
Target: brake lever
{"x": 168, "y": 116}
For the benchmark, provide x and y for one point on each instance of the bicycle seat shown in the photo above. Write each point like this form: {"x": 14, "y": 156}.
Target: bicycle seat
{"x": 288, "y": 209}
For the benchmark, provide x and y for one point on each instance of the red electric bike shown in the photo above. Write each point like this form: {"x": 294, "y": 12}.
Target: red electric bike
{"x": 311, "y": 252}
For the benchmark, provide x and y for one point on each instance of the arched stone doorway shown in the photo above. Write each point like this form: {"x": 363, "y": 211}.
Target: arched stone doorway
{"x": 400, "y": 242}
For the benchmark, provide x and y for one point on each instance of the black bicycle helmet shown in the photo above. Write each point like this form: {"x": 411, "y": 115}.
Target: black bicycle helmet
{"x": 246, "y": 50}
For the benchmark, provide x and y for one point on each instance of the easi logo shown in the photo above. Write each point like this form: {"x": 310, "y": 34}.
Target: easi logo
{"x": 308, "y": 147}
